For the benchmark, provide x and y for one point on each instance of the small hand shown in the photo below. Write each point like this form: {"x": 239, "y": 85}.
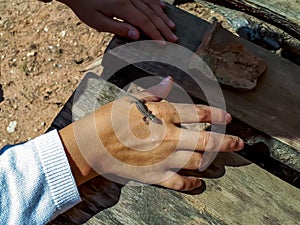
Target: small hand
{"x": 105, "y": 15}
{"x": 115, "y": 140}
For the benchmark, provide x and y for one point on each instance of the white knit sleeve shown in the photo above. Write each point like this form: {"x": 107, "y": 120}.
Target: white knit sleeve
{"x": 36, "y": 181}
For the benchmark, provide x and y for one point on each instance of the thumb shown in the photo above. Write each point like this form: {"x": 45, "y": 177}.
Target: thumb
{"x": 157, "y": 92}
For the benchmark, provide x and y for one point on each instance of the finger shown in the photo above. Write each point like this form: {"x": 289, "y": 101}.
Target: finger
{"x": 209, "y": 141}
{"x": 185, "y": 160}
{"x": 181, "y": 183}
{"x": 162, "y": 4}
{"x": 189, "y": 113}
{"x": 156, "y": 6}
{"x": 138, "y": 19}
{"x": 153, "y": 24}
{"x": 105, "y": 24}
{"x": 157, "y": 92}
{"x": 200, "y": 113}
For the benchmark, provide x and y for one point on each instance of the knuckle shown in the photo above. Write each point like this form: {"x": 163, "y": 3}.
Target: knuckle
{"x": 205, "y": 139}
{"x": 203, "y": 113}
{"x": 159, "y": 109}
{"x": 145, "y": 22}
{"x": 233, "y": 142}
{"x": 209, "y": 141}
{"x": 172, "y": 111}
{"x": 197, "y": 161}
{"x": 155, "y": 109}
{"x": 179, "y": 185}
{"x": 174, "y": 114}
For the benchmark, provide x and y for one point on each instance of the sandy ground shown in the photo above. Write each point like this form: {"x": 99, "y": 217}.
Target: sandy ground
{"x": 43, "y": 50}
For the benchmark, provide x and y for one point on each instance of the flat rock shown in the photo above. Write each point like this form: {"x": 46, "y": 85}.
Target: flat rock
{"x": 231, "y": 62}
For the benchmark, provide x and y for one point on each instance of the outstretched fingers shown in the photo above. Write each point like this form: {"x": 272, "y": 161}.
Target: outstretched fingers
{"x": 158, "y": 8}
{"x": 150, "y": 18}
{"x": 106, "y": 24}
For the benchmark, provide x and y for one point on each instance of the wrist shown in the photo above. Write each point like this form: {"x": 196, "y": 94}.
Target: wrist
{"x": 81, "y": 170}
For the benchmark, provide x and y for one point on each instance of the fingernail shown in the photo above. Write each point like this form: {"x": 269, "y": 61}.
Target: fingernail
{"x": 170, "y": 78}
{"x": 166, "y": 80}
{"x": 161, "y": 42}
{"x": 174, "y": 37}
{"x": 228, "y": 118}
{"x": 199, "y": 183}
{"x": 171, "y": 24}
{"x": 162, "y": 3}
{"x": 241, "y": 143}
{"x": 133, "y": 34}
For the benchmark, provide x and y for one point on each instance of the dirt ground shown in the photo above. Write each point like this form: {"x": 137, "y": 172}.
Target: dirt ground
{"x": 43, "y": 50}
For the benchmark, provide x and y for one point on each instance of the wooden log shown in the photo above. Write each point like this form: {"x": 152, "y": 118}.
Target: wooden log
{"x": 267, "y": 11}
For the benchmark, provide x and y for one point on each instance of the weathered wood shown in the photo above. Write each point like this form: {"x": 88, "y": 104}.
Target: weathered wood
{"x": 99, "y": 193}
{"x": 245, "y": 194}
{"x": 280, "y": 13}
{"x": 267, "y": 108}
{"x": 92, "y": 93}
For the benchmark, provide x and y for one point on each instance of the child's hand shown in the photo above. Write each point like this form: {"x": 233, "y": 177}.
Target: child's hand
{"x": 146, "y": 15}
{"x": 115, "y": 141}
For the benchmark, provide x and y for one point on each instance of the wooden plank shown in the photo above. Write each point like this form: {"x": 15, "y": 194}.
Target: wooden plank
{"x": 245, "y": 194}
{"x": 99, "y": 193}
{"x": 268, "y": 107}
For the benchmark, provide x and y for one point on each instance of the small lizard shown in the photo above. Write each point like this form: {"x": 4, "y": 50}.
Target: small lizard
{"x": 140, "y": 104}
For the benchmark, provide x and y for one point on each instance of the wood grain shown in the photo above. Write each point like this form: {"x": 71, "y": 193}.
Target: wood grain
{"x": 244, "y": 195}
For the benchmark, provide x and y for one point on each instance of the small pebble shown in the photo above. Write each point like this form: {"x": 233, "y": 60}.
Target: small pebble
{"x": 62, "y": 33}
{"x": 32, "y": 53}
{"x": 12, "y": 126}
{"x": 59, "y": 66}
